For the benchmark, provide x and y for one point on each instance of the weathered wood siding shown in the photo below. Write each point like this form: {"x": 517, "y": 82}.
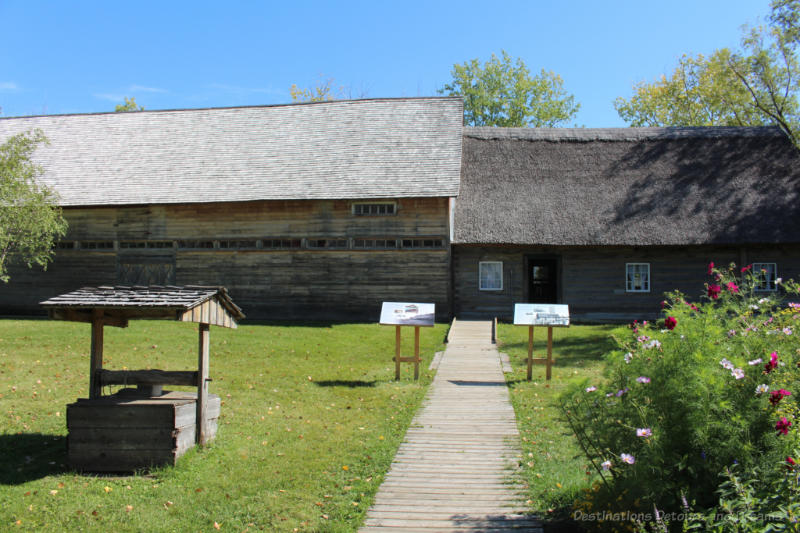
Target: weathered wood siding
{"x": 592, "y": 279}
{"x": 266, "y": 283}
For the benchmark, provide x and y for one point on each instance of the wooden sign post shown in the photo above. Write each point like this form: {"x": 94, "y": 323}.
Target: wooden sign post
{"x": 407, "y": 314}
{"x": 550, "y": 315}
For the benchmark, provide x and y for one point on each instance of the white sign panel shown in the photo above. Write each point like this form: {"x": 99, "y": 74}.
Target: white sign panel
{"x": 541, "y": 315}
{"x": 407, "y": 314}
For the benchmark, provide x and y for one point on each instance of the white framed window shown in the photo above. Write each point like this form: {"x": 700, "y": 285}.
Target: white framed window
{"x": 490, "y": 275}
{"x": 765, "y": 275}
{"x": 637, "y": 277}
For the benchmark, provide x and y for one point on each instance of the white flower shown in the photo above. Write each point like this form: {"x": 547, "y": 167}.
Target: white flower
{"x": 628, "y": 357}
{"x": 755, "y": 362}
{"x": 761, "y": 389}
{"x": 763, "y": 300}
{"x": 591, "y": 389}
{"x": 726, "y": 364}
{"x": 606, "y": 465}
{"x": 627, "y": 458}
{"x": 738, "y": 373}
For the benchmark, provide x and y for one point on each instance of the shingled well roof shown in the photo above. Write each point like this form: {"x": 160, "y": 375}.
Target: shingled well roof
{"x": 390, "y": 148}
{"x": 631, "y": 186}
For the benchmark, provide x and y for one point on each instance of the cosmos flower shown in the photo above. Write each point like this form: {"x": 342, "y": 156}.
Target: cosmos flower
{"x": 644, "y": 432}
{"x": 629, "y": 459}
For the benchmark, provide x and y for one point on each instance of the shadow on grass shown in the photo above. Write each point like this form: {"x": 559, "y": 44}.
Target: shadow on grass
{"x": 568, "y": 350}
{"x": 477, "y": 383}
{"x": 28, "y": 456}
{"x": 343, "y": 383}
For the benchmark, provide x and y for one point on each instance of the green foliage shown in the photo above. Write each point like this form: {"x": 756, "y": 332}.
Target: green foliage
{"x": 684, "y": 404}
{"x": 300, "y": 402}
{"x": 324, "y": 91}
{"x": 752, "y": 500}
{"x": 503, "y": 93}
{"x": 700, "y": 92}
{"x": 129, "y": 105}
{"x": 30, "y": 220}
{"x": 756, "y": 85}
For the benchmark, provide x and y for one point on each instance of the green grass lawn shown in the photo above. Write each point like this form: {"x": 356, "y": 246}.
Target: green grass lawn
{"x": 311, "y": 419}
{"x": 552, "y": 464}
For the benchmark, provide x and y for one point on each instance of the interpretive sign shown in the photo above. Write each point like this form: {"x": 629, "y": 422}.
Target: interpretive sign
{"x": 407, "y": 314}
{"x": 550, "y": 315}
{"x": 541, "y": 315}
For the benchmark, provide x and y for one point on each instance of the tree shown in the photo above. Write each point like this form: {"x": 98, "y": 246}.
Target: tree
{"x": 769, "y": 67}
{"x": 129, "y": 105}
{"x": 30, "y": 220}
{"x": 754, "y": 86}
{"x": 503, "y": 93}
{"x": 700, "y": 92}
{"x": 324, "y": 91}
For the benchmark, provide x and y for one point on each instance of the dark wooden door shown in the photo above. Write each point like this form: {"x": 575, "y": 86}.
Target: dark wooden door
{"x": 542, "y": 281}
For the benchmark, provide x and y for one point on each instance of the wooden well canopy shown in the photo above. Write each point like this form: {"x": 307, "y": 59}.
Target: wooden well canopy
{"x": 115, "y": 306}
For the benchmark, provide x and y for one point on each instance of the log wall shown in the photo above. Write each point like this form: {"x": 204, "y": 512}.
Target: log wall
{"x": 592, "y": 279}
{"x": 228, "y": 244}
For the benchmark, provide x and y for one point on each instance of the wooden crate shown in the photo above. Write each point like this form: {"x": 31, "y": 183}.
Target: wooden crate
{"x": 126, "y": 431}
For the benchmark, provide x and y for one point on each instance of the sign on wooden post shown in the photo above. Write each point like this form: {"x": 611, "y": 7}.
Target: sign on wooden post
{"x": 400, "y": 314}
{"x": 550, "y": 315}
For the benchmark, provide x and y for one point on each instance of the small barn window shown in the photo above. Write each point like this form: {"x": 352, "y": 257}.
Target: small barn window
{"x": 97, "y": 245}
{"x": 281, "y": 244}
{"x": 490, "y": 275}
{"x": 328, "y": 244}
{"x": 766, "y": 275}
{"x": 238, "y": 245}
{"x": 374, "y": 209}
{"x": 374, "y": 244}
{"x": 423, "y": 243}
{"x": 195, "y": 244}
{"x": 637, "y": 277}
{"x": 65, "y": 245}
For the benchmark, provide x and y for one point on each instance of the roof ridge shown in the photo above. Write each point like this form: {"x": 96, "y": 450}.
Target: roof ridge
{"x": 626, "y": 134}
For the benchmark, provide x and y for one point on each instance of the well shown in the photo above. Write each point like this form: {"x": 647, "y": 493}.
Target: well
{"x": 137, "y": 428}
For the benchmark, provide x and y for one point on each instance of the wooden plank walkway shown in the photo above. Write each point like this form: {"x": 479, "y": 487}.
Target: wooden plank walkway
{"x": 455, "y": 469}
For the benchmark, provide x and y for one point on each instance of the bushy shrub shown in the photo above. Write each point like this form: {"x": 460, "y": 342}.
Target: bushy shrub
{"x": 712, "y": 385}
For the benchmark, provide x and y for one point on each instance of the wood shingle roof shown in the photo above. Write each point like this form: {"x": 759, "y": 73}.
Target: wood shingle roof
{"x": 382, "y": 148}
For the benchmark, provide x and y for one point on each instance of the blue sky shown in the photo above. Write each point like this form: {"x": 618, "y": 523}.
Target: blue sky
{"x": 85, "y": 56}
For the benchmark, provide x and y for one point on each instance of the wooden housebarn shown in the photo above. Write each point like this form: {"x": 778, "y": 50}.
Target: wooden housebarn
{"x": 608, "y": 220}
{"x": 324, "y": 210}
{"x": 302, "y": 211}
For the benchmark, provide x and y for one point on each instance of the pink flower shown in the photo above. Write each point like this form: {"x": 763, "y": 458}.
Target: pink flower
{"x": 628, "y": 458}
{"x": 643, "y": 379}
{"x": 782, "y": 426}
{"x": 772, "y": 364}
{"x": 745, "y": 269}
{"x": 732, "y": 287}
{"x": 790, "y": 463}
{"x": 644, "y": 432}
{"x": 776, "y": 396}
{"x": 710, "y": 267}
{"x": 591, "y": 389}
{"x": 738, "y": 373}
{"x": 670, "y": 322}
{"x": 713, "y": 291}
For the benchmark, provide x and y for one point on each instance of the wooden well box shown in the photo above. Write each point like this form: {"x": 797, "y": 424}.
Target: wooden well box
{"x": 126, "y": 431}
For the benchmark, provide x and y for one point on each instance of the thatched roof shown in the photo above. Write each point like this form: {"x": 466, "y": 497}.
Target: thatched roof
{"x": 631, "y": 186}
{"x": 381, "y": 148}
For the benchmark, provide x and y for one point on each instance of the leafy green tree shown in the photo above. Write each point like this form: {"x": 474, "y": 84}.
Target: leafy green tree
{"x": 757, "y": 85}
{"x": 769, "y": 67}
{"x": 30, "y": 220}
{"x": 129, "y": 105}
{"x": 700, "y": 92}
{"x": 502, "y": 92}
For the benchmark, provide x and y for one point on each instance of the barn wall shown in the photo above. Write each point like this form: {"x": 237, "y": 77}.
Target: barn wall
{"x": 267, "y": 283}
{"x": 592, "y": 279}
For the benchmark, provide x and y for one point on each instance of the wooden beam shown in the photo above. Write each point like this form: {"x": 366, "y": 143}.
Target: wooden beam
{"x": 147, "y": 377}
{"x": 416, "y": 353}
{"x": 86, "y": 315}
{"x": 96, "y": 357}
{"x": 397, "y": 353}
{"x": 202, "y": 384}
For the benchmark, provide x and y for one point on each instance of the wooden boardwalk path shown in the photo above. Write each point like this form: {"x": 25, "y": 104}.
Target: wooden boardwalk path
{"x": 455, "y": 469}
